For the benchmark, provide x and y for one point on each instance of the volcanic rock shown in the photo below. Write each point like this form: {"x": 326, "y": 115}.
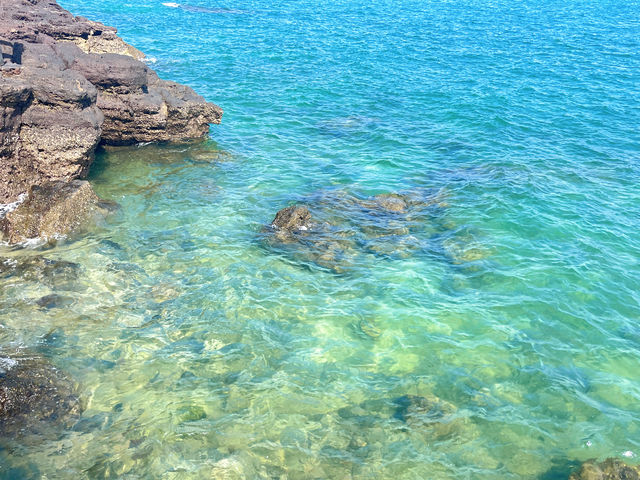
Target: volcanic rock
{"x": 292, "y": 219}
{"x": 344, "y": 226}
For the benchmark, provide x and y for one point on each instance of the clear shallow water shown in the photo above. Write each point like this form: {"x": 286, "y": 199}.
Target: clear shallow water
{"x": 499, "y": 340}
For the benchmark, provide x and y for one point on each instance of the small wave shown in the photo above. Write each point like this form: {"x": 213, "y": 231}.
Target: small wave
{"x": 197, "y": 9}
{"x": 150, "y": 60}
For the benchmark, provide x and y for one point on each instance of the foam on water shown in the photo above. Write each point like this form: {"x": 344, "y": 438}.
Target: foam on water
{"x": 10, "y": 207}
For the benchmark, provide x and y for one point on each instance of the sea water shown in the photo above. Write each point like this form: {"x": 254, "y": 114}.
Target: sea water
{"x": 494, "y": 334}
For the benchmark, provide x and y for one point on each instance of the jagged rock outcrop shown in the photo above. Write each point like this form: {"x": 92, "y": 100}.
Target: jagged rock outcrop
{"x": 40, "y": 21}
{"x": 68, "y": 84}
{"x": 49, "y": 127}
{"x": 52, "y": 210}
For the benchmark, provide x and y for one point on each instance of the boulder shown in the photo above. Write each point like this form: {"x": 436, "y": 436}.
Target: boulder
{"x": 292, "y": 219}
{"x": 52, "y": 210}
{"x": 610, "y": 469}
{"x": 33, "y": 391}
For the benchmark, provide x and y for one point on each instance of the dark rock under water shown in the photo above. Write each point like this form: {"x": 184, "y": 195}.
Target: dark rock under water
{"x": 33, "y": 393}
{"x": 330, "y": 229}
{"x": 57, "y": 274}
{"x": 52, "y": 210}
{"x": 610, "y": 469}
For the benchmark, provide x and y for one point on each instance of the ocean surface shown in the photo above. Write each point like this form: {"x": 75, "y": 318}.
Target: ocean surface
{"x": 488, "y": 329}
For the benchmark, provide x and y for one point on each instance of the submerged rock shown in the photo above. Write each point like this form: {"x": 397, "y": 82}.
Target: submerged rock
{"x": 54, "y": 300}
{"x": 337, "y": 227}
{"x": 610, "y": 469}
{"x": 52, "y": 210}
{"x": 57, "y": 274}
{"x": 430, "y": 416}
{"x": 389, "y": 202}
{"x": 33, "y": 391}
{"x": 370, "y": 328}
{"x": 295, "y": 231}
{"x": 419, "y": 410}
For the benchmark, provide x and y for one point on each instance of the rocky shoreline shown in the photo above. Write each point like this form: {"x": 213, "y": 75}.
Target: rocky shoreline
{"x": 68, "y": 85}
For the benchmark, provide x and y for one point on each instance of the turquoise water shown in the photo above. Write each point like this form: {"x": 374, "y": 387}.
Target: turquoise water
{"x": 489, "y": 331}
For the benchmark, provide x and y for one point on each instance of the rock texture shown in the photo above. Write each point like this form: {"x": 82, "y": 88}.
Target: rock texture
{"x": 291, "y": 219}
{"x": 33, "y": 391}
{"x": 51, "y": 210}
{"x": 68, "y": 84}
{"x": 610, "y": 469}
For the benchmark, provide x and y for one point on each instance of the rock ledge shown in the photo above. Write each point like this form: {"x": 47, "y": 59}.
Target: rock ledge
{"x": 68, "y": 84}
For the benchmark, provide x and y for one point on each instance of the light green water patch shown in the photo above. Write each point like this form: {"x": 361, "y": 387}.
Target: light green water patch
{"x": 201, "y": 353}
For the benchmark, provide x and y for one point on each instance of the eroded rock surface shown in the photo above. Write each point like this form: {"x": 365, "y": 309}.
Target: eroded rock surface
{"x": 610, "y": 469}
{"x": 52, "y": 210}
{"x": 68, "y": 84}
{"x": 292, "y": 219}
{"x": 33, "y": 391}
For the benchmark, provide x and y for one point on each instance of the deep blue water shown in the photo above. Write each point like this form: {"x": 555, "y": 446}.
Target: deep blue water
{"x": 489, "y": 331}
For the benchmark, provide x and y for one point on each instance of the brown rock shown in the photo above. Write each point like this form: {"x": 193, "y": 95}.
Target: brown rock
{"x": 51, "y": 210}
{"x": 291, "y": 219}
{"x": 610, "y": 469}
